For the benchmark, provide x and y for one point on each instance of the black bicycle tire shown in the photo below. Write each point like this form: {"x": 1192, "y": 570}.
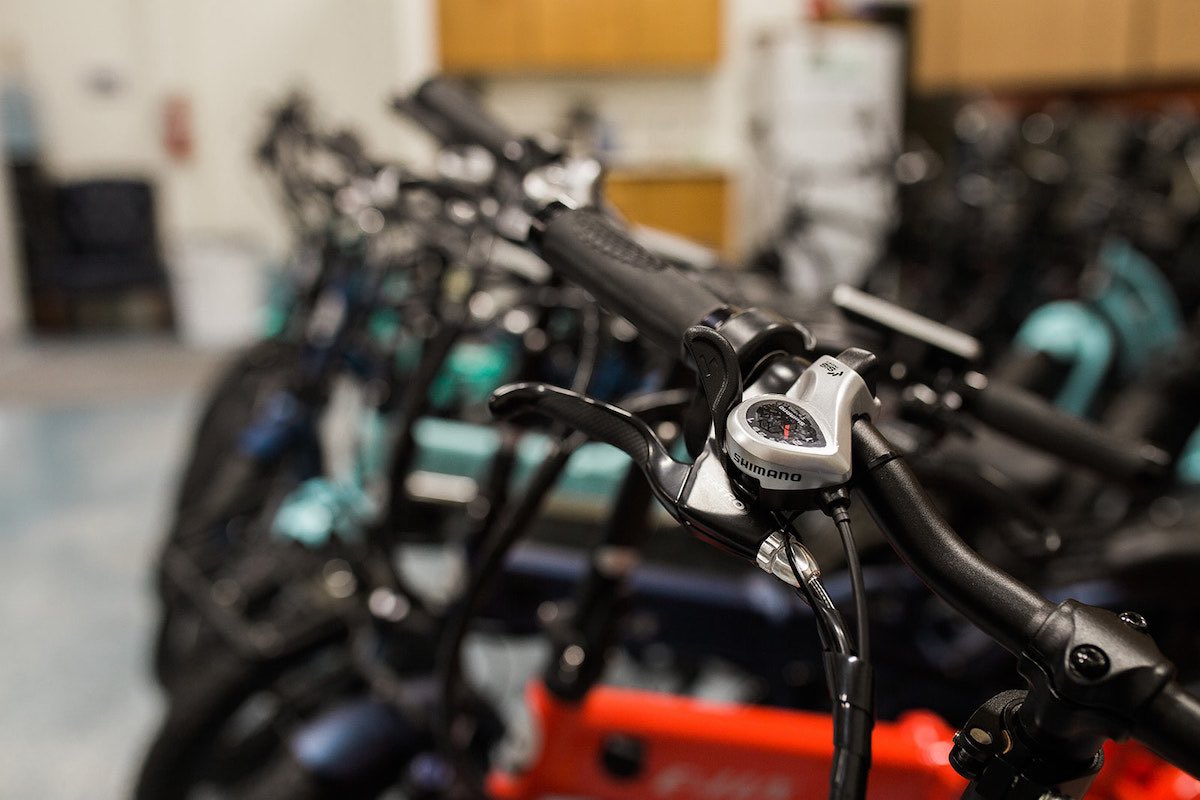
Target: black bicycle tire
{"x": 198, "y": 710}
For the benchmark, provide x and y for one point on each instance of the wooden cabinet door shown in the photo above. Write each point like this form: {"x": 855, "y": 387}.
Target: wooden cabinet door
{"x": 579, "y": 35}
{"x": 692, "y": 203}
{"x": 1025, "y": 43}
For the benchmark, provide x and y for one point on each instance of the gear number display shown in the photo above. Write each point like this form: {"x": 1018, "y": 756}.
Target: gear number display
{"x": 786, "y": 423}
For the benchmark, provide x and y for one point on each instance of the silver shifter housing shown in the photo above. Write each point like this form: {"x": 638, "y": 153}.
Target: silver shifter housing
{"x": 800, "y": 440}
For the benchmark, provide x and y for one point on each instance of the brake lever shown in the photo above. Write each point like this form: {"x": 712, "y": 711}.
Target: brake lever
{"x": 599, "y": 421}
{"x": 699, "y": 495}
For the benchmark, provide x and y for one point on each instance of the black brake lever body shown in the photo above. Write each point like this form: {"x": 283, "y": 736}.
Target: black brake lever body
{"x": 700, "y": 495}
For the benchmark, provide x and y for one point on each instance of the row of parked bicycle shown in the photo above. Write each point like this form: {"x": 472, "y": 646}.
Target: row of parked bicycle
{"x": 436, "y": 534}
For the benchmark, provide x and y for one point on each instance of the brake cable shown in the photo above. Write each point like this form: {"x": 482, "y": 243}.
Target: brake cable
{"x": 847, "y": 667}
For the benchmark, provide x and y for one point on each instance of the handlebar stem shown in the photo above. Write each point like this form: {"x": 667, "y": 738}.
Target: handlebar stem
{"x": 1091, "y": 674}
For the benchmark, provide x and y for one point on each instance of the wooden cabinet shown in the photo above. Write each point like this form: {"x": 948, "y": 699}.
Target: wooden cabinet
{"x": 691, "y": 202}
{"x": 578, "y": 36}
{"x": 1022, "y": 42}
{"x": 1173, "y": 31}
{"x": 1018, "y": 44}
{"x": 475, "y": 33}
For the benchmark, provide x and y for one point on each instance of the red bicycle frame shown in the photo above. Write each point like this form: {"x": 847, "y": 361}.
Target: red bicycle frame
{"x": 689, "y": 749}
{"x": 696, "y": 750}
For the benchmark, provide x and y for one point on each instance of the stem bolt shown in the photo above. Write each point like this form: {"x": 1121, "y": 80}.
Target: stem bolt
{"x": 1089, "y": 661}
{"x": 1134, "y": 620}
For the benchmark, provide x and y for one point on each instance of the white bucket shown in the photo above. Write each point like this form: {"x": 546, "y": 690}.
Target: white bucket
{"x": 219, "y": 285}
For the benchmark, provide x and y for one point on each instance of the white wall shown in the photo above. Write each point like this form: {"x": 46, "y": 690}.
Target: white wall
{"x": 65, "y": 45}
{"x": 231, "y": 59}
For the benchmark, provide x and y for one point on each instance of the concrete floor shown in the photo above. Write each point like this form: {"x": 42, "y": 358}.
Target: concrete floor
{"x": 90, "y": 439}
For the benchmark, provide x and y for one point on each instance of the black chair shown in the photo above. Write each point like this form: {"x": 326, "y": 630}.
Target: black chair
{"x": 106, "y": 245}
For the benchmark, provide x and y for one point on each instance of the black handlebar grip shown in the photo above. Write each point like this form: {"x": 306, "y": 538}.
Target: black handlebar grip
{"x": 462, "y": 119}
{"x": 589, "y": 250}
{"x": 1000, "y": 605}
{"x": 1170, "y": 726}
{"x": 1031, "y": 419}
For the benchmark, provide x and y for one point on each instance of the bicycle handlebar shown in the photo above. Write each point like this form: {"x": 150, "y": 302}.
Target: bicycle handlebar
{"x": 586, "y": 248}
{"x": 1003, "y": 607}
{"x": 1168, "y": 725}
{"x": 1029, "y": 418}
{"x": 455, "y": 116}
{"x": 891, "y": 319}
